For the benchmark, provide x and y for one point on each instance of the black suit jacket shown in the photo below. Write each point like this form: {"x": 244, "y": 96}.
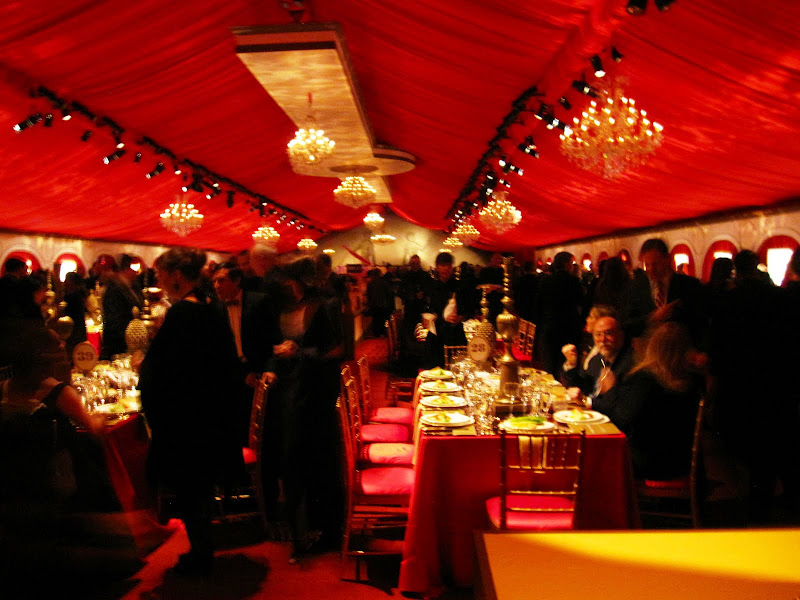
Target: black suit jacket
{"x": 586, "y": 380}
{"x": 259, "y": 332}
{"x": 686, "y": 291}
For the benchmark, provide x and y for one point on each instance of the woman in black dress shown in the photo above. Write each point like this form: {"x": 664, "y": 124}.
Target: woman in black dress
{"x": 184, "y": 380}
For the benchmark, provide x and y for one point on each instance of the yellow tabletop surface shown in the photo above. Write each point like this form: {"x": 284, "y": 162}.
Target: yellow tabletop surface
{"x": 651, "y": 565}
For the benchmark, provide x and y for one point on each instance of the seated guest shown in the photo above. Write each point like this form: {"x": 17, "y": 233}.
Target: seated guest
{"x": 610, "y": 365}
{"x": 656, "y": 405}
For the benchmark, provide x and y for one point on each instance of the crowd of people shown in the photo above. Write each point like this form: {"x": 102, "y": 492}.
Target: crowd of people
{"x": 640, "y": 346}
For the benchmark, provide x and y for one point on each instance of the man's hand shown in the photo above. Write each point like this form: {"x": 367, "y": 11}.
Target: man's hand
{"x": 665, "y": 312}
{"x": 570, "y": 353}
{"x": 453, "y": 318}
{"x": 286, "y": 349}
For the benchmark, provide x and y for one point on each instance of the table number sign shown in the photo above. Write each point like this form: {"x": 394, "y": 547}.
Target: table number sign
{"x": 479, "y": 349}
{"x": 84, "y": 357}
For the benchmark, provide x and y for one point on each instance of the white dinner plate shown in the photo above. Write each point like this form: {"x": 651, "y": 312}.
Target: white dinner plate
{"x": 580, "y": 416}
{"x": 439, "y": 386}
{"x": 526, "y": 425}
{"x": 114, "y": 409}
{"x": 437, "y": 373}
{"x": 442, "y": 401}
{"x": 446, "y": 419}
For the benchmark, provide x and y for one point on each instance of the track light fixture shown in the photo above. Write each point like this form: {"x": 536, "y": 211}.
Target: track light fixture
{"x": 86, "y": 135}
{"x": 29, "y": 122}
{"x": 616, "y": 55}
{"x": 565, "y": 103}
{"x": 229, "y": 201}
{"x": 66, "y": 115}
{"x": 159, "y": 168}
{"x": 636, "y": 7}
{"x": 138, "y": 157}
{"x": 529, "y": 147}
{"x": 663, "y": 5}
{"x": 597, "y": 65}
{"x": 584, "y": 88}
{"x": 114, "y": 156}
{"x": 48, "y": 120}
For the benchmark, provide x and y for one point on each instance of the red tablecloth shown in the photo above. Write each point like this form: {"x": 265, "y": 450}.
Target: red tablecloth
{"x": 455, "y": 476}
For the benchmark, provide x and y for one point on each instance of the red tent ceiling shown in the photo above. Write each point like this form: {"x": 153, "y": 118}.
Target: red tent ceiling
{"x": 437, "y": 78}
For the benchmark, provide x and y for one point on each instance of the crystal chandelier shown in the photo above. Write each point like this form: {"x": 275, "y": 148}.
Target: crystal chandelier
{"x": 382, "y": 238}
{"x": 499, "y": 215}
{"x": 306, "y": 245}
{"x": 452, "y": 242}
{"x": 266, "y": 235}
{"x": 181, "y": 218}
{"x": 329, "y": 251}
{"x": 309, "y": 147}
{"x": 374, "y": 221}
{"x": 467, "y": 233}
{"x": 612, "y": 135}
{"x": 354, "y": 192}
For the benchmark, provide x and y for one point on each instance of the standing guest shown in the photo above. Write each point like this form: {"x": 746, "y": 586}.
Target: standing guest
{"x": 668, "y": 296}
{"x": 119, "y": 299}
{"x": 493, "y": 274}
{"x": 413, "y": 286}
{"x": 613, "y": 286}
{"x": 75, "y": 295}
{"x": 14, "y": 271}
{"x": 380, "y": 302}
{"x": 301, "y": 413}
{"x": 558, "y": 313}
{"x": 185, "y": 378}
{"x": 333, "y": 287}
{"x": 656, "y": 405}
{"x": 254, "y": 333}
{"x": 748, "y": 401}
{"x": 447, "y": 301}
{"x": 525, "y": 291}
{"x": 264, "y": 264}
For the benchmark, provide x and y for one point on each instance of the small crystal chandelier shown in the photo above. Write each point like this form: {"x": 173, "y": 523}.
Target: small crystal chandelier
{"x": 452, "y": 242}
{"x": 467, "y": 233}
{"x": 354, "y": 192}
{"x": 612, "y": 135}
{"x": 266, "y": 235}
{"x": 181, "y": 218}
{"x": 374, "y": 221}
{"x": 309, "y": 147}
{"x": 499, "y": 215}
{"x": 306, "y": 245}
{"x": 329, "y": 251}
{"x": 382, "y": 238}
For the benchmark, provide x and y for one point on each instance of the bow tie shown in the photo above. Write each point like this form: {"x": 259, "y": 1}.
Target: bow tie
{"x": 232, "y": 303}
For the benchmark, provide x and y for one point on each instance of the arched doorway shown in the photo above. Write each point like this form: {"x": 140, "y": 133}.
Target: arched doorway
{"x": 683, "y": 259}
{"x": 68, "y": 262}
{"x": 776, "y": 252}
{"x": 27, "y": 257}
{"x": 719, "y": 249}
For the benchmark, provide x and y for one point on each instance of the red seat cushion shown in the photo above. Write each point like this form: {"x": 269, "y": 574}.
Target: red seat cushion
{"x": 386, "y": 481}
{"x": 667, "y": 484}
{"x": 392, "y": 414}
{"x": 249, "y": 456}
{"x": 388, "y": 453}
{"x": 384, "y": 432}
{"x": 533, "y": 521}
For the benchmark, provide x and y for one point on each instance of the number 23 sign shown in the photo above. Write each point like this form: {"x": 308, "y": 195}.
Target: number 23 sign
{"x": 479, "y": 349}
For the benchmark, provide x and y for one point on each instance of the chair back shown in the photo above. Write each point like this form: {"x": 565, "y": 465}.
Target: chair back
{"x": 522, "y": 333}
{"x": 365, "y": 389}
{"x": 258, "y": 415}
{"x": 451, "y": 354}
{"x": 529, "y": 335}
{"x": 348, "y": 452}
{"x": 352, "y": 405}
{"x": 392, "y": 331}
{"x": 542, "y": 465}
{"x": 5, "y": 373}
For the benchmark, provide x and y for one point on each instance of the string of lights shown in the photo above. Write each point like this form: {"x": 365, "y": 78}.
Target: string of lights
{"x": 194, "y": 176}
{"x": 494, "y": 167}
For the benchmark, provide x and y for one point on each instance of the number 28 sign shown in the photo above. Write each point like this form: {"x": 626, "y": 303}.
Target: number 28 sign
{"x": 479, "y": 349}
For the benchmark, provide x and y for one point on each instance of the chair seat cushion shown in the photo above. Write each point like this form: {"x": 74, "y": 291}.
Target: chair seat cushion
{"x": 388, "y": 453}
{"x": 385, "y": 481}
{"x": 533, "y": 521}
{"x": 249, "y": 456}
{"x": 667, "y": 484}
{"x": 392, "y": 414}
{"x": 384, "y": 432}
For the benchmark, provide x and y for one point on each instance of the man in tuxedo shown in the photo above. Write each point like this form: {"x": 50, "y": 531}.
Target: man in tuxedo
{"x": 664, "y": 295}
{"x": 254, "y": 331}
{"x": 606, "y": 368}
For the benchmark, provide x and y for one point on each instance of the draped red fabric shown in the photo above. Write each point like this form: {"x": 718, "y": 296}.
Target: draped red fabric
{"x": 437, "y": 78}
